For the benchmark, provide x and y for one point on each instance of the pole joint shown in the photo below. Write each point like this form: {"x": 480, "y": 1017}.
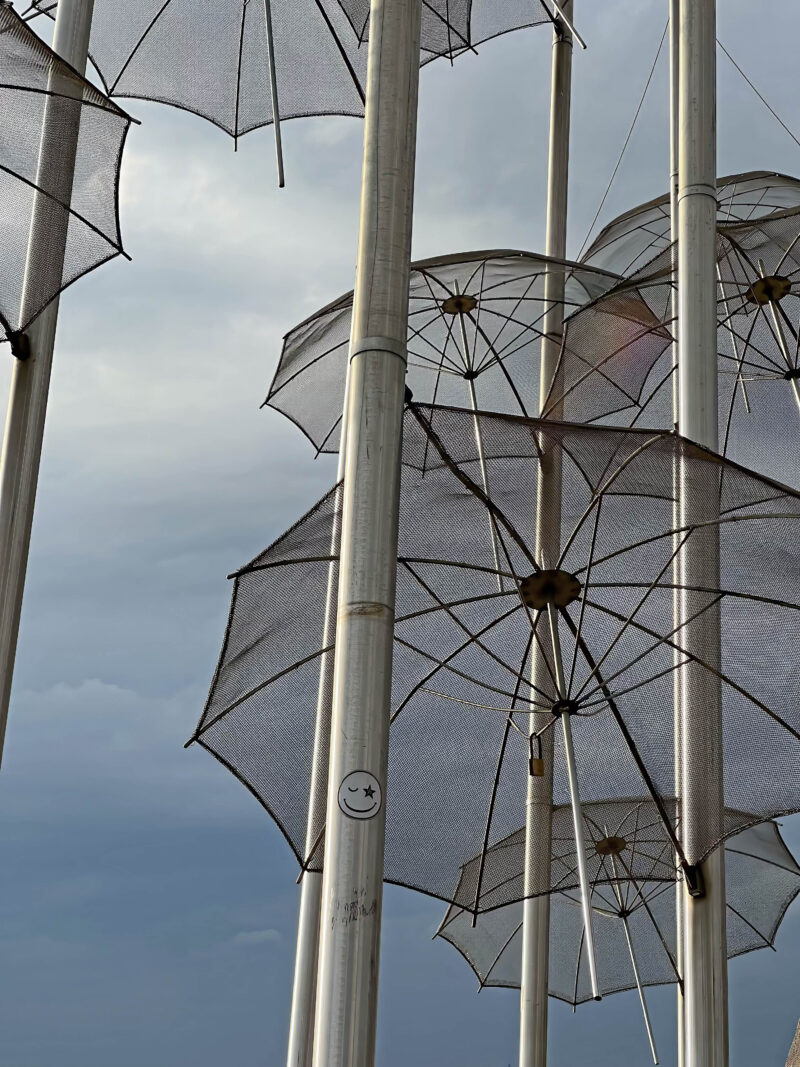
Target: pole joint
{"x": 379, "y": 344}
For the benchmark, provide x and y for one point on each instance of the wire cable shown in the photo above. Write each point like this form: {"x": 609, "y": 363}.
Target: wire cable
{"x": 627, "y": 142}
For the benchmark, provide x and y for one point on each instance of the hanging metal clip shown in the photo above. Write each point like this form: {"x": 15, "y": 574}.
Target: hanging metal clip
{"x": 535, "y": 763}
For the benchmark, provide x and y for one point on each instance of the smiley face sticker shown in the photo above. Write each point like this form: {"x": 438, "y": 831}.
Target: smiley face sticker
{"x": 360, "y": 795}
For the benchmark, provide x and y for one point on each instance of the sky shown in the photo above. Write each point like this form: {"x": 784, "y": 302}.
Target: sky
{"x": 147, "y": 903}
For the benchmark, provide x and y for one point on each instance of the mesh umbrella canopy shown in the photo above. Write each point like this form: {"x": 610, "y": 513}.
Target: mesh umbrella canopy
{"x": 38, "y": 87}
{"x": 466, "y": 628}
{"x": 210, "y": 57}
{"x": 474, "y": 337}
{"x": 761, "y": 880}
{"x": 617, "y": 356}
{"x": 631, "y": 240}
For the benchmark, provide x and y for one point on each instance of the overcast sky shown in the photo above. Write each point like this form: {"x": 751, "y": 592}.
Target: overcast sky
{"x": 147, "y": 903}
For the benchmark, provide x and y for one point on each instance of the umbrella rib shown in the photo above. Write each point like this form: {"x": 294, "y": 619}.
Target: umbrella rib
{"x": 598, "y": 492}
{"x": 256, "y": 689}
{"x": 578, "y": 967}
{"x": 473, "y": 638}
{"x": 702, "y": 663}
{"x": 445, "y": 663}
{"x": 509, "y": 316}
{"x": 444, "y": 605}
{"x": 656, "y": 927}
{"x": 584, "y": 594}
{"x": 623, "y": 628}
{"x": 447, "y": 323}
{"x": 489, "y": 707}
{"x": 138, "y": 45}
{"x": 67, "y": 207}
{"x": 239, "y": 77}
{"x": 631, "y": 746}
{"x": 342, "y": 52}
{"x": 630, "y": 689}
{"x": 496, "y": 960}
{"x": 496, "y": 782}
{"x": 472, "y": 486}
{"x": 738, "y": 914}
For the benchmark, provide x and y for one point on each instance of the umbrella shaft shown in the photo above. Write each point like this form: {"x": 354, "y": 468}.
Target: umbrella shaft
{"x": 580, "y": 849}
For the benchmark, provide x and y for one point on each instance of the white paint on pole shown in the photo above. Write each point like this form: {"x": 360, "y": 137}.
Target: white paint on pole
{"x": 701, "y": 781}
{"x": 30, "y": 378}
{"x": 347, "y": 984}
{"x": 539, "y": 791}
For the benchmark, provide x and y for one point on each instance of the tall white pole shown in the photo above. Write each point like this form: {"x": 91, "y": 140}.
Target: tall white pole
{"x": 539, "y": 794}
{"x": 304, "y": 989}
{"x": 674, "y": 47}
{"x": 352, "y": 885}
{"x": 30, "y": 378}
{"x": 701, "y": 783}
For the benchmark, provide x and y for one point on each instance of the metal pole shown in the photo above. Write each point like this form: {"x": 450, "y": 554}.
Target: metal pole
{"x": 539, "y": 790}
{"x": 642, "y": 1000}
{"x": 623, "y": 914}
{"x": 273, "y": 92}
{"x": 304, "y": 989}
{"x": 674, "y": 53}
{"x": 701, "y": 782}
{"x": 575, "y": 803}
{"x": 30, "y": 378}
{"x": 347, "y": 984}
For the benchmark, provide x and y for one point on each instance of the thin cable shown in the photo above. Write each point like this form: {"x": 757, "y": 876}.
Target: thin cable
{"x": 766, "y": 104}
{"x": 627, "y": 141}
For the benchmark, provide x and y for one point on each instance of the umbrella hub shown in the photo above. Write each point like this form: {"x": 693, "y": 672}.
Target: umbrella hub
{"x": 610, "y": 846}
{"x": 768, "y": 290}
{"x": 792, "y": 375}
{"x": 565, "y": 707}
{"x": 544, "y": 588}
{"x": 459, "y": 304}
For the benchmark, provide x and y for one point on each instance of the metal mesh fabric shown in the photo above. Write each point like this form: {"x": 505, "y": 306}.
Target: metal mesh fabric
{"x": 210, "y": 57}
{"x": 462, "y": 693}
{"x": 43, "y": 103}
{"x": 630, "y": 241}
{"x": 451, "y": 27}
{"x": 474, "y": 339}
{"x": 617, "y": 360}
{"x": 761, "y": 880}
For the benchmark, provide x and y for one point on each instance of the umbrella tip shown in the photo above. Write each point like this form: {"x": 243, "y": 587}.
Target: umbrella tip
{"x": 597, "y": 997}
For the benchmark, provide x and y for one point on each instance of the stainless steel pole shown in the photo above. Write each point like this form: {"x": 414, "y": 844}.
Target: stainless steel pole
{"x": 30, "y": 378}
{"x": 304, "y": 988}
{"x": 701, "y": 783}
{"x": 347, "y": 984}
{"x": 674, "y": 53}
{"x": 539, "y": 792}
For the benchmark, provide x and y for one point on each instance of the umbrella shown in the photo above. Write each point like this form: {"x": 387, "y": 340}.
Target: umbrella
{"x": 633, "y": 910}
{"x": 632, "y": 239}
{"x": 474, "y": 605}
{"x": 37, "y": 84}
{"x": 616, "y": 362}
{"x": 475, "y": 327}
{"x": 249, "y": 63}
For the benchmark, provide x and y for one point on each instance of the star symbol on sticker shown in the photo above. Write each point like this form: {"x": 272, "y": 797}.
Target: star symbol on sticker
{"x": 369, "y": 792}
